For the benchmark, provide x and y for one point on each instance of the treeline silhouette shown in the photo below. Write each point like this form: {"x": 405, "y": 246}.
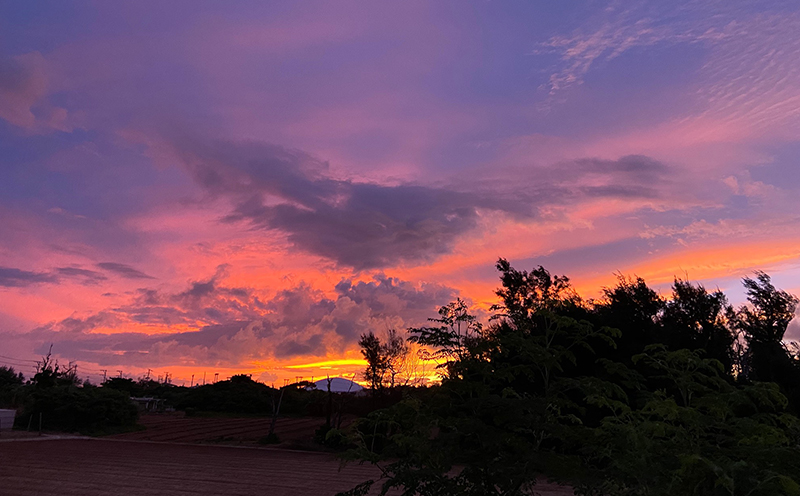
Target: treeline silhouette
{"x": 630, "y": 394}
{"x": 56, "y": 399}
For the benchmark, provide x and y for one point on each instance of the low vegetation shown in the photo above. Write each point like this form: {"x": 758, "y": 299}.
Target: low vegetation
{"x": 633, "y": 394}
{"x": 55, "y": 399}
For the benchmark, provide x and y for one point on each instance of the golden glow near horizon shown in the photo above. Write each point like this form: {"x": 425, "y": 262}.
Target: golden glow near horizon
{"x": 328, "y": 364}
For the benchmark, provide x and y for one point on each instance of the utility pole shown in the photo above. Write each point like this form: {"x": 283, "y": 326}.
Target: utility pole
{"x": 216, "y": 377}
{"x": 147, "y": 377}
{"x": 204, "y": 378}
{"x": 120, "y": 374}
{"x": 192, "y": 383}
{"x": 276, "y": 410}
{"x": 105, "y": 371}
{"x": 330, "y": 404}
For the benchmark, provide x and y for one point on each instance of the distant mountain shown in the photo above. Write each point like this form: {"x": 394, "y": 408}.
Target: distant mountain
{"x": 338, "y": 385}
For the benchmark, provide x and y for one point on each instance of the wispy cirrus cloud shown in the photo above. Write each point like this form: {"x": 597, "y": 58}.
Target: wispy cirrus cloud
{"x": 750, "y": 77}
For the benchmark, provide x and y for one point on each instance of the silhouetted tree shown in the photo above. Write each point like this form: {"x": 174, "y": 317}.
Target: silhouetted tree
{"x": 10, "y": 377}
{"x": 696, "y": 319}
{"x": 372, "y": 350}
{"x": 763, "y": 324}
{"x": 394, "y": 349}
{"x": 635, "y": 309}
{"x": 523, "y": 293}
{"x": 771, "y": 310}
{"x": 384, "y": 359}
{"x": 454, "y": 336}
{"x": 124, "y": 384}
{"x": 49, "y": 373}
{"x": 542, "y": 391}
{"x": 10, "y": 382}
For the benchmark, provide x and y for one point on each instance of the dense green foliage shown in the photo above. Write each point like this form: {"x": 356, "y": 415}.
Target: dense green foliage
{"x": 631, "y": 395}
{"x": 61, "y": 402}
{"x": 10, "y": 382}
{"x": 86, "y": 409}
{"x": 242, "y": 395}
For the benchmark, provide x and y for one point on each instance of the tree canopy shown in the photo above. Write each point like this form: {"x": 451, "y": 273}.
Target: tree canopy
{"x": 632, "y": 394}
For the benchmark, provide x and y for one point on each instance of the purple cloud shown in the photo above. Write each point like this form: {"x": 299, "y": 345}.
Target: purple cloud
{"x": 122, "y": 270}
{"x": 369, "y": 225}
{"x": 234, "y": 325}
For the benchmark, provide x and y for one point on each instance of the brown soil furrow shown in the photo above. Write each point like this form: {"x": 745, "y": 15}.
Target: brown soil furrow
{"x": 89, "y": 467}
{"x": 78, "y": 467}
{"x": 212, "y": 430}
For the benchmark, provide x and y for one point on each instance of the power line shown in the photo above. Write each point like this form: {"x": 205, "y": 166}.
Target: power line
{"x": 13, "y": 364}
{"x": 12, "y": 360}
{"x": 94, "y": 371}
{"x": 18, "y": 359}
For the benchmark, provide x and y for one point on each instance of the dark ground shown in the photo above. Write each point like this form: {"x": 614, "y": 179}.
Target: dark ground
{"x": 89, "y": 467}
{"x": 294, "y": 433}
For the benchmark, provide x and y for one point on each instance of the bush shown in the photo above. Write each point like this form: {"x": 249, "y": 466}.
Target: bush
{"x": 242, "y": 395}
{"x": 331, "y": 437}
{"x": 79, "y": 409}
{"x": 269, "y": 439}
{"x": 10, "y": 384}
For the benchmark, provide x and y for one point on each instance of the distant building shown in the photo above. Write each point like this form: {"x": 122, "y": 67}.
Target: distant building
{"x": 147, "y": 404}
{"x": 7, "y": 419}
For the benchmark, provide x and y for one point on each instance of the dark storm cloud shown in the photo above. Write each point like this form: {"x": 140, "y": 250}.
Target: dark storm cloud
{"x": 638, "y": 167}
{"x": 569, "y": 182}
{"x": 375, "y": 226}
{"x": 13, "y": 277}
{"x": 387, "y": 296}
{"x": 367, "y": 225}
{"x": 233, "y": 324}
{"x": 619, "y": 191}
{"x": 632, "y": 176}
{"x": 123, "y": 270}
{"x": 88, "y": 277}
{"x": 362, "y": 225}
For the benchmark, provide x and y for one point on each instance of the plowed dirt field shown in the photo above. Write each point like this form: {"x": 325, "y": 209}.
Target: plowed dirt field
{"x": 94, "y": 467}
{"x": 89, "y": 467}
{"x": 176, "y": 428}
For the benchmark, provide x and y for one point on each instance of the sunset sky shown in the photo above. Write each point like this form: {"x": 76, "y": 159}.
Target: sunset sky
{"x": 228, "y": 187}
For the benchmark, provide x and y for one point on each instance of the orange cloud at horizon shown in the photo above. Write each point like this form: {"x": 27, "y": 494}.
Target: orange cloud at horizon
{"x": 707, "y": 263}
{"x": 328, "y": 364}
